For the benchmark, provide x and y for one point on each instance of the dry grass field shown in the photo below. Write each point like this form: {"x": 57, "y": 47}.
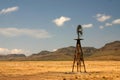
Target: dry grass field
{"x": 58, "y": 70}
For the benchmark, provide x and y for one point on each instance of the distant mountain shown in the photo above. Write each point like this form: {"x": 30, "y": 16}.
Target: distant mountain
{"x": 111, "y": 51}
{"x": 12, "y": 57}
{"x": 38, "y": 56}
{"x": 66, "y": 53}
{"x": 112, "y": 46}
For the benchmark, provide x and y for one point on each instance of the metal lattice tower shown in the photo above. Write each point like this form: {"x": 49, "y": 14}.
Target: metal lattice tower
{"x": 78, "y": 56}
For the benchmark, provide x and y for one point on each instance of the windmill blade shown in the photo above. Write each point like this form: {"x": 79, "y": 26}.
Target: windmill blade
{"x": 79, "y": 30}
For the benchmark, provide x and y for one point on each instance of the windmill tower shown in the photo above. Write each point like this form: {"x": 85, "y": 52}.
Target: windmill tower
{"x": 78, "y": 56}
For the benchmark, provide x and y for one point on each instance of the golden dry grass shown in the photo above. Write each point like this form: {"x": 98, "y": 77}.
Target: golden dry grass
{"x": 58, "y": 70}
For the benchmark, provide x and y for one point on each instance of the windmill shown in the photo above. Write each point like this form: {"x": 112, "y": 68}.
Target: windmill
{"x": 78, "y": 56}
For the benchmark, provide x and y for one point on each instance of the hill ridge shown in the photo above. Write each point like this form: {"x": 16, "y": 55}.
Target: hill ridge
{"x": 110, "y": 51}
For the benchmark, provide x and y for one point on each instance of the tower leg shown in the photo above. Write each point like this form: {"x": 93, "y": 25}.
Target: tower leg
{"x": 78, "y": 57}
{"x": 77, "y": 66}
{"x": 81, "y": 58}
{"x": 84, "y": 66}
{"x": 73, "y": 63}
{"x": 80, "y": 65}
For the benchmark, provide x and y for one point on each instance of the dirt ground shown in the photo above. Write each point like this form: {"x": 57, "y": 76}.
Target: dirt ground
{"x": 58, "y": 70}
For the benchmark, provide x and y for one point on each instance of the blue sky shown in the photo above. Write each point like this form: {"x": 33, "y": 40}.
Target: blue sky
{"x": 29, "y": 26}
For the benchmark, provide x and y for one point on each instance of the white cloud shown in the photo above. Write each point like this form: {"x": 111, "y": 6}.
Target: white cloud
{"x": 17, "y": 51}
{"x": 9, "y": 10}
{"x": 101, "y": 27}
{"x": 54, "y": 50}
{"x": 108, "y": 24}
{"x": 102, "y": 17}
{"x": 117, "y": 21}
{"x": 98, "y": 15}
{"x": 12, "y": 32}
{"x": 5, "y": 51}
{"x": 60, "y": 21}
{"x": 87, "y": 25}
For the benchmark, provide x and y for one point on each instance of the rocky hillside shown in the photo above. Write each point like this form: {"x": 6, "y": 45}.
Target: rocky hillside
{"x": 61, "y": 54}
{"x": 12, "y": 57}
{"x": 112, "y": 46}
{"x": 111, "y": 51}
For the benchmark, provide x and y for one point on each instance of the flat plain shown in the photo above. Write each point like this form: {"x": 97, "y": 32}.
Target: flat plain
{"x": 58, "y": 70}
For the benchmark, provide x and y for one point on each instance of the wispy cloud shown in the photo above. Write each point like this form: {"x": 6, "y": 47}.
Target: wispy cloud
{"x": 117, "y": 21}
{"x": 101, "y": 27}
{"x": 54, "y": 50}
{"x": 108, "y": 24}
{"x": 60, "y": 21}
{"x": 12, "y": 32}
{"x": 5, "y": 51}
{"x": 102, "y": 17}
{"x": 87, "y": 25}
{"x": 9, "y": 10}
